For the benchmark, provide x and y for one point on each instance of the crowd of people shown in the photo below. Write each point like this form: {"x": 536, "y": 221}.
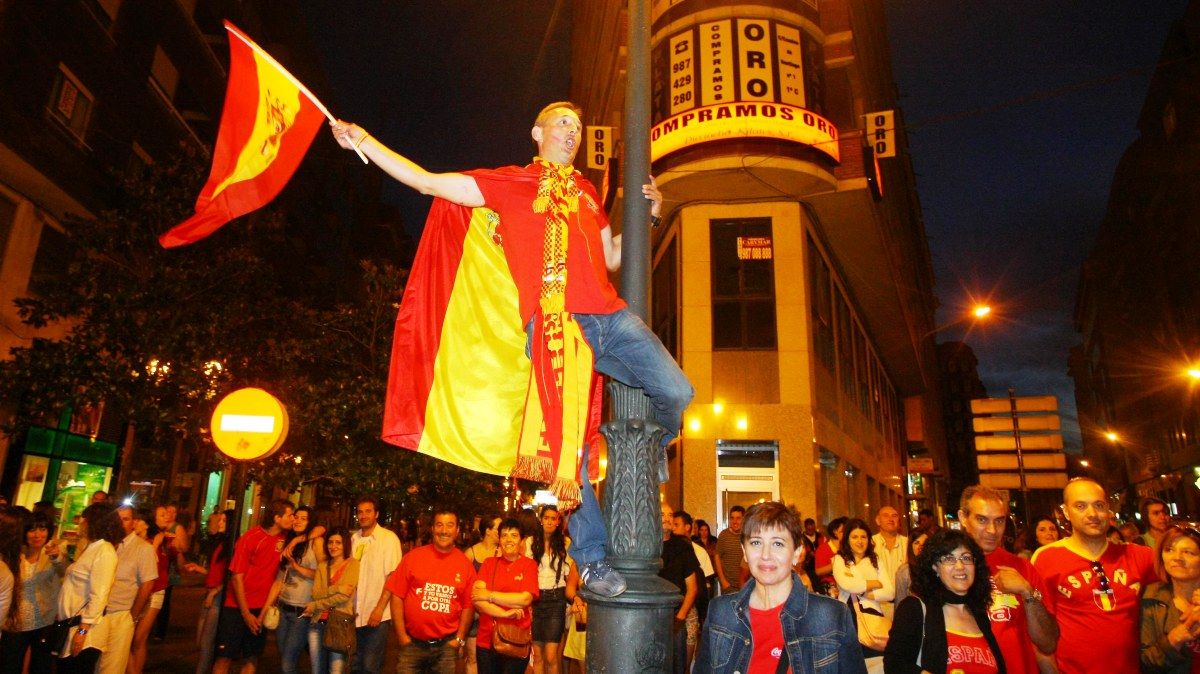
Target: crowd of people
{"x": 770, "y": 593}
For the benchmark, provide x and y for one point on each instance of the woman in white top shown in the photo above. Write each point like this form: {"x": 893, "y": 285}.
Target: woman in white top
{"x": 42, "y": 567}
{"x": 86, "y": 586}
{"x": 558, "y": 582}
{"x": 12, "y": 525}
{"x": 856, "y": 571}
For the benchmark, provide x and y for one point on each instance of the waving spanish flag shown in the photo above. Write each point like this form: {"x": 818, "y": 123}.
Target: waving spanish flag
{"x": 268, "y": 123}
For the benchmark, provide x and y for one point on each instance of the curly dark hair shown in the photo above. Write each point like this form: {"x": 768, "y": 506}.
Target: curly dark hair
{"x": 928, "y": 585}
{"x": 844, "y": 547}
{"x": 833, "y": 526}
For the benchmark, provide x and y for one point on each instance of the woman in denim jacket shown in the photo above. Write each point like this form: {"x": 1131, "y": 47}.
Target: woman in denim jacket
{"x": 774, "y": 623}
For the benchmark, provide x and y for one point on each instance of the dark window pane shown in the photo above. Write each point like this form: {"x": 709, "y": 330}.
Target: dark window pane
{"x": 727, "y": 325}
{"x": 760, "y": 324}
{"x": 8, "y": 213}
{"x": 51, "y": 259}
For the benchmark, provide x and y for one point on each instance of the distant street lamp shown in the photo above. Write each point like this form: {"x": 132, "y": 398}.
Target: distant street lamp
{"x": 1115, "y": 439}
{"x": 1193, "y": 373}
{"x": 977, "y": 313}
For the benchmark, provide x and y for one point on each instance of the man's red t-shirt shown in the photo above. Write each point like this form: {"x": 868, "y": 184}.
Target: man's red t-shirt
{"x": 767, "y": 632}
{"x": 1097, "y": 619}
{"x": 256, "y": 556}
{"x": 435, "y": 588}
{"x": 510, "y": 192}
{"x": 1010, "y": 622}
{"x": 501, "y": 575}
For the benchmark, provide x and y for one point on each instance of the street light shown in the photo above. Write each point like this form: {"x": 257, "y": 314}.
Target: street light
{"x": 978, "y": 312}
{"x": 1115, "y": 438}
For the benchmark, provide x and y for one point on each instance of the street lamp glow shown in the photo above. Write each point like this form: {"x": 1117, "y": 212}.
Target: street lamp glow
{"x": 1112, "y": 437}
{"x": 1084, "y": 462}
{"x": 981, "y": 311}
{"x": 1194, "y": 373}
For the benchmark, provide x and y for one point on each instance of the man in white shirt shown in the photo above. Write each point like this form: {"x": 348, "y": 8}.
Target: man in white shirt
{"x": 137, "y": 569}
{"x": 891, "y": 547}
{"x": 378, "y": 553}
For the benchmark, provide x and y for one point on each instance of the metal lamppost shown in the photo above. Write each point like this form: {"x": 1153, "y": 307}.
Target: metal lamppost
{"x": 632, "y": 632}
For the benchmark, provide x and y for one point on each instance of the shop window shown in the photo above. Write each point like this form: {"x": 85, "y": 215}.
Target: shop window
{"x": 71, "y": 103}
{"x": 743, "y": 284}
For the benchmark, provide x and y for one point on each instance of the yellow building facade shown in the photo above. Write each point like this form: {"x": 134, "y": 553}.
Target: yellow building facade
{"x": 791, "y": 274}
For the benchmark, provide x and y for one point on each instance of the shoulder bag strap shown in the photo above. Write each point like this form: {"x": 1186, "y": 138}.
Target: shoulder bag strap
{"x": 922, "y": 648}
{"x": 783, "y": 665}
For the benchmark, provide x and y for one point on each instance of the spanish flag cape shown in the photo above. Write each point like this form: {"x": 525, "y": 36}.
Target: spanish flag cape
{"x": 460, "y": 387}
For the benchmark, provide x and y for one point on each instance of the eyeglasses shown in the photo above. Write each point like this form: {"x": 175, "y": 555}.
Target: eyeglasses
{"x": 967, "y": 559}
{"x": 1103, "y": 596}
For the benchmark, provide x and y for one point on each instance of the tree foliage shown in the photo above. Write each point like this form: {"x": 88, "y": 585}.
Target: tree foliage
{"x": 159, "y": 335}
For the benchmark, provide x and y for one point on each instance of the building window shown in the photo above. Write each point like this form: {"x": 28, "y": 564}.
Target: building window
{"x": 665, "y": 308}
{"x": 862, "y": 364}
{"x": 845, "y": 346}
{"x": 743, "y": 284}
{"x": 164, "y": 74}
{"x": 8, "y": 214}
{"x": 71, "y": 103}
{"x": 820, "y": 297}
{"x": 53, "y": 256}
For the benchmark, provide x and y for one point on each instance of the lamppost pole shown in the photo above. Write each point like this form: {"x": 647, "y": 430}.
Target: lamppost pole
{"x": 632, "y": 632}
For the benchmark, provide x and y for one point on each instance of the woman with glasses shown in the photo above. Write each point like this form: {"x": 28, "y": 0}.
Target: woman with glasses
{"x": 945, "y": 627}
{"x": 1170, "y": 618}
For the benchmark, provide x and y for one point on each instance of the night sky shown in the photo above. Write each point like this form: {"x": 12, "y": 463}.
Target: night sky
{"x": 1017, "y": 114}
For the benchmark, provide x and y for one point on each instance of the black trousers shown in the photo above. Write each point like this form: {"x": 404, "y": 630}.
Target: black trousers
{"x": 12, "y": 652}
{"x": 491, "y": 662}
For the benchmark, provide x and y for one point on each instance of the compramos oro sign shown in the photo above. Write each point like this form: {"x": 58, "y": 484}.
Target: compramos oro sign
{"x": 738, "y": 78}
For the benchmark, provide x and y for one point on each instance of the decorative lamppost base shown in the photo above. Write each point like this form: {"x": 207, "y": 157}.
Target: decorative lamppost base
{"x": 632, "y": 632}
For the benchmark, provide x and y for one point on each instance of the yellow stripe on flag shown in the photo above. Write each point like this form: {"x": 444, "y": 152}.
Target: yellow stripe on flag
{"x": 481, "y": 373}
{"x": 278, "y": 106}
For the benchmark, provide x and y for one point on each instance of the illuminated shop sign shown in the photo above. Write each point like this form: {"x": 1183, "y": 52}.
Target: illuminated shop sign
{"x": 754, "y": 248}
{"x": 738, "y": 78}
{"x": 733, "y": 121}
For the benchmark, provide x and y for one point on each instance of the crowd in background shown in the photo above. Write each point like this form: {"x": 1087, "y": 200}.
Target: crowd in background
{"x": 502, "y": 594}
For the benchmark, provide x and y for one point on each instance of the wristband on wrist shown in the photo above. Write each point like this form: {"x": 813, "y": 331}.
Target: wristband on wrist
{"x": 360, "y": 140}
{"x": 655, "y": 221}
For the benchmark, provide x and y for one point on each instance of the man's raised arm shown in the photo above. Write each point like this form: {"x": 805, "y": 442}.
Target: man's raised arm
{"x": 456, "y": 187}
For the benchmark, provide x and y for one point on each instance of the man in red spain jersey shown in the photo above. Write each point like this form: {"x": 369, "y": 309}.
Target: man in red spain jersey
{"x": 559, "y": 248}
{"x": 1094, "y": 586}
{"x": 1020, "y": 621}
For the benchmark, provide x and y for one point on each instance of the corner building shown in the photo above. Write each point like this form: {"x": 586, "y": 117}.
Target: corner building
{"x": 791, "y": 275}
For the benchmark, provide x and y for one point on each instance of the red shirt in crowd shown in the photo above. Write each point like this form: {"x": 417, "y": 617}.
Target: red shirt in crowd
{"x": 1097, "y": 614}
{"x": 256, "y": 557}
{"x": 969, "y": 654}
{"x": 510, "y": 192}
{"x": 435, "y": 588}
{"x": 501, "y": 575}
{"x": 1010, "y": 621}
{"x": 767, "y": 640}
{"x": 216, "y": 568}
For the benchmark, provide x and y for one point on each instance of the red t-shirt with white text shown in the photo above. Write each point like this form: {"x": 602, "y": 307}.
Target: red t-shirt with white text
{"x": 768, "y": 642}
{"x": 1098, "y": 620}
{"x": 435, "y": 588}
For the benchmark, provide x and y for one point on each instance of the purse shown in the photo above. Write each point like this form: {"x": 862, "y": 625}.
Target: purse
{"x": 339, "y": 633}
{"x": 873, "y": 627}
{"x": 270, "y": 619}
{"x": 510, "y": 639}
{"x": 56, "y": 635}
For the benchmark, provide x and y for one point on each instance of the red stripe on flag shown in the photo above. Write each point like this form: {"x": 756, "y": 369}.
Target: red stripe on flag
{"x": 239, "y": 118}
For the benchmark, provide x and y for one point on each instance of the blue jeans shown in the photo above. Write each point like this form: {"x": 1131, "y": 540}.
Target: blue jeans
{"x": 325, "y": 662}
{"x": 371, "y": 643}
{"x": 589, "y": 536}
{"x": 627, "y": 350}
{"x": 291, "y": 637}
